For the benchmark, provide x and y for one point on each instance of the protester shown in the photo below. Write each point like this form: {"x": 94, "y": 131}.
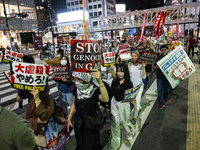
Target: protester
{"x": 137, "y": 74}
{"x": 15, "y": 132}
{"x": 114, "y": 47}
{"x": 120, "y": 111}
{"x": 148, "y": 68}
{"x": 133, "y": 47}
{"x": 60, "y": 53}
{"x": 163, "y": 85}
{"x": 23, "y": 94}
{"x": 191, "y": 46}
{"x": 64, "y": 86}
{"x": 88, "y": 91}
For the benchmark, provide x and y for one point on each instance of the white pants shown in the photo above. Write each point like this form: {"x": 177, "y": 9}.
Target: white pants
{"x": 120, "y": 115}
{"x": 137, "y": 106}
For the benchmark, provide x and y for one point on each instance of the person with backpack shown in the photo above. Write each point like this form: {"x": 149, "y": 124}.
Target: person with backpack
{"x": 89, "y": 90}
{"x": 64, "y": 86}
{"x": 120, "y": 111}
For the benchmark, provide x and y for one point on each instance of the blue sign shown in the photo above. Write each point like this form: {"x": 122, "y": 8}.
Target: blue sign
{"x": 132, "y": 31}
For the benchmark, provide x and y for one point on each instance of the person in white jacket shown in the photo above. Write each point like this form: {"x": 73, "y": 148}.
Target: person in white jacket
{"x": 137, "y": 73}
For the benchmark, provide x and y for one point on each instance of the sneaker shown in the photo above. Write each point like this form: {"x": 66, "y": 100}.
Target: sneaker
{"x": 165, "y": 100}
{"x": 160, "y": 107}
{"x": 133, "y": 122}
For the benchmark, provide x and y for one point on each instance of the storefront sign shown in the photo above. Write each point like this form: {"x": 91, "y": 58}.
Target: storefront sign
{"x": 85, "y": 55}
{"x": 61, "y": 71}
{"x": 38, "y": 44}
{"x": 11, "y": 56}
{"x": 26, "y": 75}
{"x": 109, "y": 58}
{"x": 176, "y": 66}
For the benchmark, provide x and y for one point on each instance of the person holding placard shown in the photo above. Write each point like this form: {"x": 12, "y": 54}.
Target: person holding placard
{"x": 120, "y": 111}
{"x": 137, "y": 74}
{"x": 89, "y": 90}
{"x": 163, "y": 84}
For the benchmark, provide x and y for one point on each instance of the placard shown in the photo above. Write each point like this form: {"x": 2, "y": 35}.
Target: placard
{"x": 125, "y": 52}
{"x": 9, "y": 76}
{"x": 125, "y": 34}
{"x": 130, "y": 94}
{"x": 176, "y": 66}
{"x": 148, "y": 57}
{"x": 11, "y": 56}
{"x": 27, "y": 75}
{"x": 109, "y": 58}
{"x": 53, "y": 61}
{"x": 85, "y": 55}
{"x": 61, "y": 71}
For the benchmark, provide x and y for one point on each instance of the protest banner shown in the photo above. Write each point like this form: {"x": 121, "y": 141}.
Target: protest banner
{"x": 11, "y": 56}
{"x": 175, "y": 44}
{"x": 9, "y": 76}
{"x": 177, "y": 26}
{"x": 60, "y": 40}
{"x": 86, "y": 19}
{"x": 108, "y": 58}
{"x": 131, "y": 40}
{"x": 176, "y": 66}
{"x": 147, "y": 57}
{"x": 53, "y": 61}
{"x": 152, "y": 42}
{"x": 85, "y": 55}
{"x": 125, "y": 52}
{"x": 143, "y": 26}
{"x": 130, "y": 94}
{"x": 159, "y": 23}
{"x": 61, "y": 71}
{"x": 125, "y": 34}
{"x": 26, "y": 75}
{"x": 38, "y": 44}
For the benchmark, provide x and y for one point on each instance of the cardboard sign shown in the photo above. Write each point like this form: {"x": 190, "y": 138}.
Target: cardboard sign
{"x": 53, "y": 61}
{"x": 85, "y": 55}
{"x": 125, "y": 52}
{"x": 61, "y": 71}
{"x": 130, "y": 94}
{"x": 26, "y": 75}
{"x": 125, "y": 34}
{"x": 38, "y": 44}
{"x": 148, "y": 57}
{"x": 9, "y": 76}
{"x": 176, "y": 66}
{"x": 11, "y": 56}
{"x": 108, "y": 58}
{"x": 175, "y": 44}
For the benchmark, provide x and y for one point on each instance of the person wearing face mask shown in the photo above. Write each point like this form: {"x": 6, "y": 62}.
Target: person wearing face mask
{"x": 89, "y": 90}
{"x": 64, "y": 86}
{"x": 120, "y": 111}
{"x": 137, "y": 74}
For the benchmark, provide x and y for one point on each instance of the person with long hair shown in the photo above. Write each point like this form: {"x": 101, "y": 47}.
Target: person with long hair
{"x": 89, "y": 90}
{"x": 137, "y": 74}
{"x": 120, "y": 111}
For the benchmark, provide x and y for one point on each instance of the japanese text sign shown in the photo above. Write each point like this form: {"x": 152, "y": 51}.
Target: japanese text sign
{"x": 147, "y": 56}
{"x": 176, "y": 66}
{"x": 11, "y": 56}
{"x": 125, "y": 52}
{"x": 38, "y": 45}
{"x": 53, "y": 61}
{"x": 109, "y": 58}
{"x": 175, "y": 44}
{"x": 130, "y": 94}
{"x": 125, "y": 34}
{"x": 26, "y": 75}
{"x": 61, "y": 71}
{"x": 85, "y": 55}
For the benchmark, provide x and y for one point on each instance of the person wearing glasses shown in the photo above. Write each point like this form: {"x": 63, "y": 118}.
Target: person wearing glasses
{"x": 163, "y": 85}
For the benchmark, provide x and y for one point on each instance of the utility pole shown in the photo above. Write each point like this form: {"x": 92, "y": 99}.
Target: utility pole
{"x": 8, "y": 29}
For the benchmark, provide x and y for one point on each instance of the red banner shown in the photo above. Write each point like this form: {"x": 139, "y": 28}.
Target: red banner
{"x": 159, "y": 24}
{"x": 143, "y": 26}
{"x": 177, "y": 26}
{"x": 85, "y": 55}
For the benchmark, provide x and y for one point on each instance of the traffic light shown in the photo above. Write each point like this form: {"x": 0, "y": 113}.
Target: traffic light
{"x": 23, "y": 15}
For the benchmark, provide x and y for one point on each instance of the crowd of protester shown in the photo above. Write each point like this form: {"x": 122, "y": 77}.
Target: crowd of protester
{"x": 85, "y": 93}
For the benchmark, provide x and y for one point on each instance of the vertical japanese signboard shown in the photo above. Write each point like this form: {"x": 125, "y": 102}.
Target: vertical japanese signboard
{"x": 26, "y": 75}
{"x": 86, "y": 20}
{"x": 176, "y": 66}
{"x": 85, "y": 55}
{"x": 38, "y": 45}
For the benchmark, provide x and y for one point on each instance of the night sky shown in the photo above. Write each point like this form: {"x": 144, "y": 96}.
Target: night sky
{"x": 129, "y": 3}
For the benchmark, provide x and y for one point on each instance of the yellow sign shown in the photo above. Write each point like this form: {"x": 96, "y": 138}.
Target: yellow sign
{"x": 53, "y": 61}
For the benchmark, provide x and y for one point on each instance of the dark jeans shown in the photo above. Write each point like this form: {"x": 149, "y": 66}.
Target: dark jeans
{"x": 163, "y": 87}
{"x": 192, "y": 51}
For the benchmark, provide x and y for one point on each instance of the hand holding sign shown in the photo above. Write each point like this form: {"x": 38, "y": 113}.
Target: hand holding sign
{"x": 144, "y": 63}
{"x": 35, "y": 93}
{"x": 96, "y": 74}
{"x": 64, "y": 80}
